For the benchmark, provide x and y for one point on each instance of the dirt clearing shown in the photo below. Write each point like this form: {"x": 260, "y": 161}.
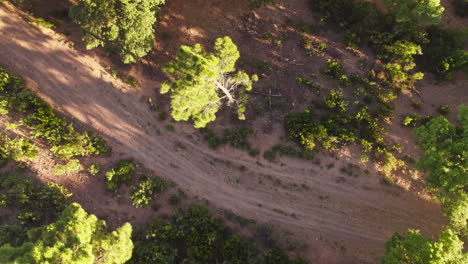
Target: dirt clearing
{"x": 341, "y": 219}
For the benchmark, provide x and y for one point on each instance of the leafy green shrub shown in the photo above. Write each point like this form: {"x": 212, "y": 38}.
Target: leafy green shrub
{"x": 444, "y": 149}
{"x": 415, "y": 12}
{"x": 111, "y": 24}
{"x": 75, "y": 238}
{"x": 14, "y": 235}
{"x": 94, "y": 169}
{"x": 39, "y": 201}
{"x": 412, "y": 120}
{"x": 287, "y": 151}
{"x": 43, "y": 123}
{"x": 417, "y": 249}
{"x": 194, "y": 236}
{"x": 443, "y": 109}
{"x": 15, "y": 190}
{"x": 333, "y": 68}
{"x": 72, "y": 165}
{"x": 236, "y": 138}
{"x": 335, "y": 100}
{"x": 352, "y": 39}
{"x": 144, "y": 193}
{"x": 446, "y": 51}
{"x": 456, "y": 209}
{"x": 42, "y": 22}
{"x": 122, "y": 173}
{"x": 17, "y": 149}
{"x": 53, "y": 197}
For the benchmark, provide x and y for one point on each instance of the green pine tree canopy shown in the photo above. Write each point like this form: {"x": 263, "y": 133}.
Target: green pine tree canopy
{"x": 125, "y": 26}
{"x": 200, "y": 81}
{"x": 417, "y": 249}
{"x": 75, "y": 238}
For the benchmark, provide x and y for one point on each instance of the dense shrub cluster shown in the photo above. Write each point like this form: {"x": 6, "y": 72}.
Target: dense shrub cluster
{"x": 75, "y": 238}
{"x": 236, "y": 138}
{"x": 446, "y": 50}
{"x": 196, "y": 236}
{"x": 287, "y": 151}
{"x": 39, "y": 202}
{"x": 336, "y": 121}
{"x": 147, "y": 189}
{"x": 122, "y": 173}
{"x": 444, "y": 158}
{"x": 43, "y": 123}
{"x": 17, "y": 149}
{"x": 411, "y": 21}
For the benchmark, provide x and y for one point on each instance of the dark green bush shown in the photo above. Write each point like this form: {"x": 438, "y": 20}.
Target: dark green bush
{"x": 122, "y": 173}
{"x": 40, "y": 202}
{"x": 195, "y": 236}
{"x": 72, "y": 165}
{"x": 43, "y": 123}
{"x": 333, "y": 68}
{"x": 143, "y": 194}
{"x": 446, "y": 51}
{"x": 17, "y": 149}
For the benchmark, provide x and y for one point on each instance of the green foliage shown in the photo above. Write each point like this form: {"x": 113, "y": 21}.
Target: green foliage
{"x": 198, "y": 78}
{"x": 445, "y": 152}
{"x": 145, "y": 192}
{"x": 17, "y": 149}
{"x": 236, "y": 138}
{"x": 446, "y": 51}
{"x": 195, "y": 236}
{"x": 419, "y": 12}
{"x": 400, "y": 57}
{"x": 333, "y": 68}
{"x": 45, "y": 201}
{"x": 42, "y": 22}
{"x": 76, "y": 237}
{"x": 417, "y": 249}
{"x": 287, "y": 151}
{"x": 94, "y": 169}
{"x": 456, "y": 209}
{"x": 122, "y": 173}
{"x": 72, "y": 165}
{"x": 124, "y": 26}
{"x": 443, "y": 110}
{"x": 43, "y": 123}
{"x": 14, "y": 235}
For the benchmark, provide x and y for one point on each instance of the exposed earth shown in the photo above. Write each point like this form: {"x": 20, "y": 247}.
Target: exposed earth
{"x": 340, "y": 219}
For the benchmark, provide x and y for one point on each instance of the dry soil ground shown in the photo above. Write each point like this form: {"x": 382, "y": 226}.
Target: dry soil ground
{"x": 341, "y": 219}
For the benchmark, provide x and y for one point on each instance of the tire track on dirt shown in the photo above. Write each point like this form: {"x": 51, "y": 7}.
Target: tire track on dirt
{"x": 77, "y": 85}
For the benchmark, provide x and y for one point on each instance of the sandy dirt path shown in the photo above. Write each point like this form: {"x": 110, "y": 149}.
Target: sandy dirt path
{"x": 341, "y": 222}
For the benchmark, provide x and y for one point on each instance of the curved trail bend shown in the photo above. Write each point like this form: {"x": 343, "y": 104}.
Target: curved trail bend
{"x": 360, "y": 219}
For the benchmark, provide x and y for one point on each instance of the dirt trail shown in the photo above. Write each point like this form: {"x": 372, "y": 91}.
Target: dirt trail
{"x": 341, "y": 222}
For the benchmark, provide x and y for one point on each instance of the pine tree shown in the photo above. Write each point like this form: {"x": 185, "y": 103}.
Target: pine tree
{"x": 125, "y": 26}
{"x": 200, "y": 80}
{"x": 75, "y": 238}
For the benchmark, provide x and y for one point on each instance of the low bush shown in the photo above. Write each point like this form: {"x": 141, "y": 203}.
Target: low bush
{"x": 17, "y": 149}
{"x": 94, "y": 169}
{"x": 446, "y": 51}
{"x": 333, "y": 68}
{"x": 39, "y": 202}
{"x": 43, "y": 123}
{"x": 72, "y": 165}
{"x": 143, "y": 194}
{"x": 122, "y": 173}
{"x": 196, "y": 236}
